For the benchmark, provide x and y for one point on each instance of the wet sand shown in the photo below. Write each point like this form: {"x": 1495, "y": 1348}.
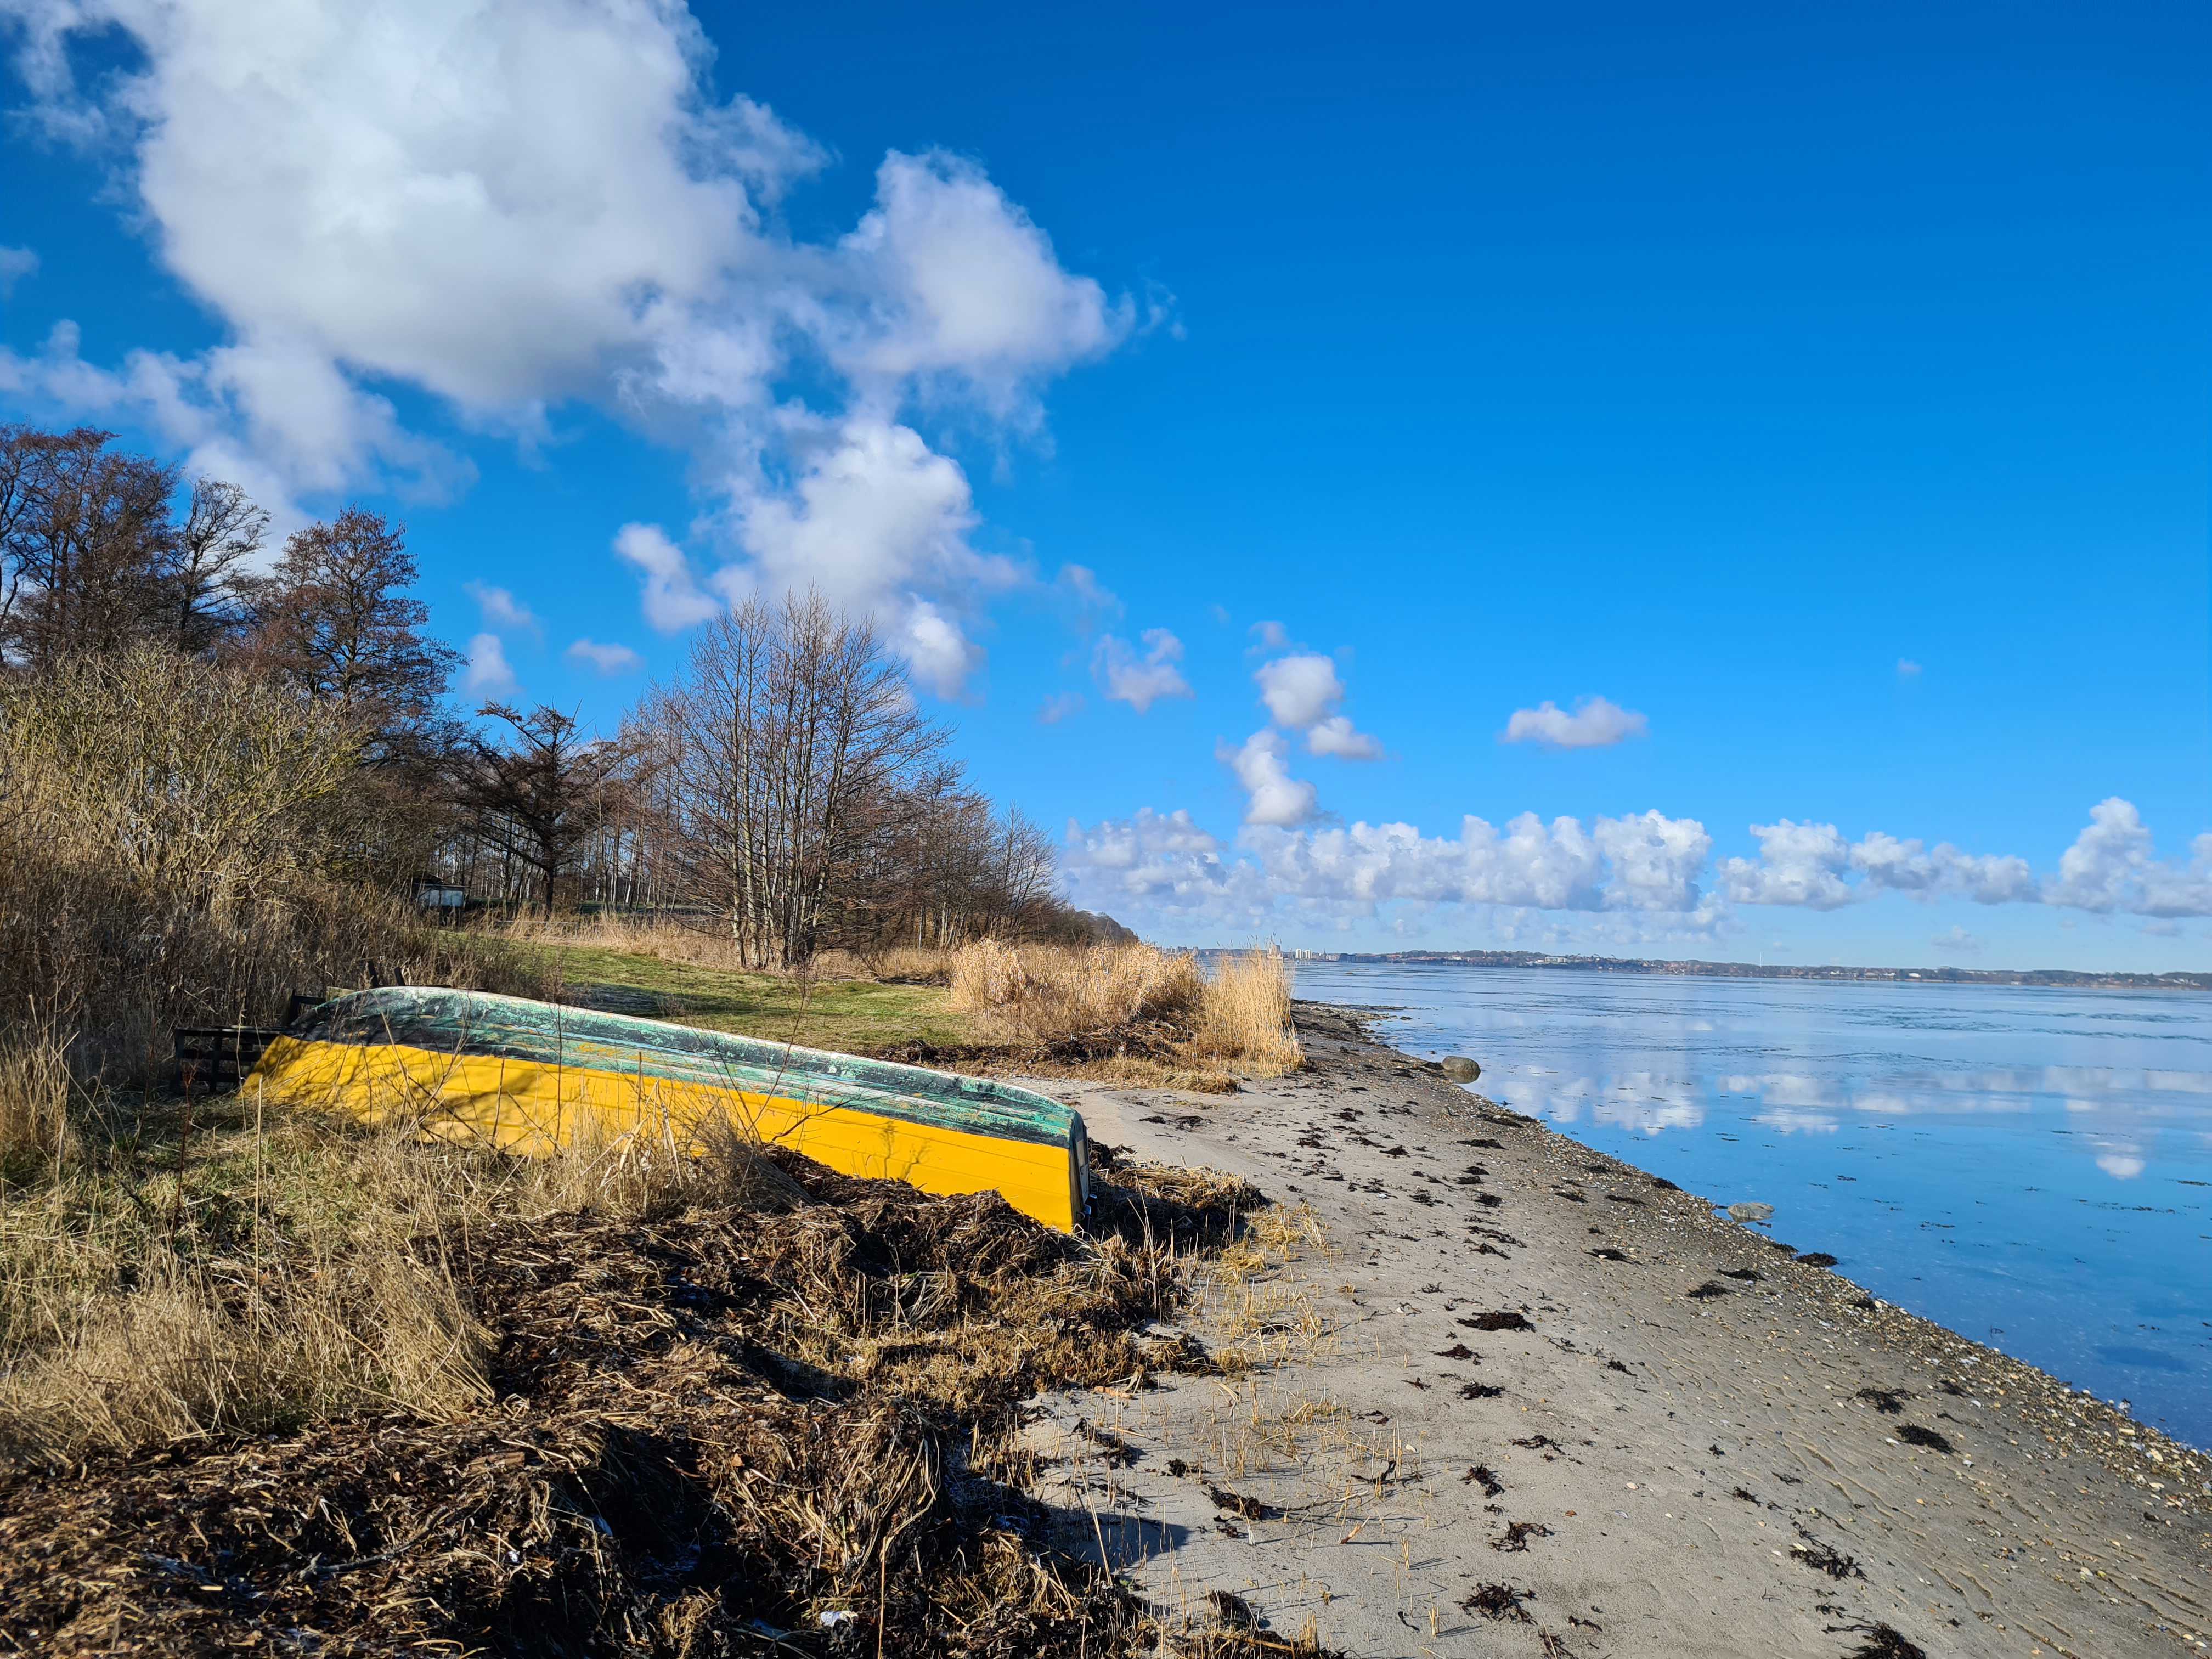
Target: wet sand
{"x": 1514, "y": 1396}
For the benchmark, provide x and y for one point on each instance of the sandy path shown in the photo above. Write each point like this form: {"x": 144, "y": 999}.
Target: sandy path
{"x": 1683, "y": 1463}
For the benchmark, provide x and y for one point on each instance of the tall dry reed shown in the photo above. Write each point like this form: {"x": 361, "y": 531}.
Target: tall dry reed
{"x": 1054, "y": 993}
{"x": 1245, "y": 1015}
{"x": 1240, "y": 1014}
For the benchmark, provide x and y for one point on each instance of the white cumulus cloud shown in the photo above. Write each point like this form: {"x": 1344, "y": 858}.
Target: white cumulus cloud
{"x": 487, "y": 674}
{"x": 671, "y": 597}
{"x": 515, "y": 205}
{"x": 606, "y": 659}
{"x": 1302, "y": 693}
{"x": 2112, "y": 866}
{"x": 1273, "y": 796}
{"x": 501, "y": 610}
{"x": 1299, "y": 690}
{"x": 1337, "y": 736}
{"x": 1595, "y": 723}
{"x": 15, "y": 263}
{"x": 1141, "y": 681}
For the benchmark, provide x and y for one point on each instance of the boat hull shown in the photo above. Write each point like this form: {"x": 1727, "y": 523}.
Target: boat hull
{"x": 533, "y": 1078}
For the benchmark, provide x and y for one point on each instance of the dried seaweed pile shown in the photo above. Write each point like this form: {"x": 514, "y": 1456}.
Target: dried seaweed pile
{"x": 726, "y": 1431}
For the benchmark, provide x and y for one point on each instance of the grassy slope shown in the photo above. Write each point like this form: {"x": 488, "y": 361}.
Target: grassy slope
{"x": 851, "y": 1016}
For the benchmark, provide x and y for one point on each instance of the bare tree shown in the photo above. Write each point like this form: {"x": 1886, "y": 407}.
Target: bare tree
{"x": 791, "y": 728}
{"x": 85, "y": 535}
{"x": 335, "y": 619}
{"x": 539, "y": 793}
{"x": 221, "y": 530}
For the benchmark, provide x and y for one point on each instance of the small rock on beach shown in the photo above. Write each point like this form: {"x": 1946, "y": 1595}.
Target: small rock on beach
{"x": 1460, "y": 1069}
{"x": 1750, "y": 1211}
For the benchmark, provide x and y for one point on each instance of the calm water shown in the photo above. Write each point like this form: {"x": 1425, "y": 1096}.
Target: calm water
{"x": 2031, "y": 1168}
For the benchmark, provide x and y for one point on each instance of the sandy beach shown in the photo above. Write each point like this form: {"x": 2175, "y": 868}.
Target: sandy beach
{"x": 1513, "y": 1396}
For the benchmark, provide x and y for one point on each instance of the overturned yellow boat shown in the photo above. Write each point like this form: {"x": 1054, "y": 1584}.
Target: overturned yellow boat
{"x": 533, "y": 1077}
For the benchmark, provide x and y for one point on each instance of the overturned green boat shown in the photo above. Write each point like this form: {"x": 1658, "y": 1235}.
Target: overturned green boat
{"x": 534, "y": 1076}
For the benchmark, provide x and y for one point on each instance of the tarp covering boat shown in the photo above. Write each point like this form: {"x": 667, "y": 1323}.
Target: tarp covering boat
{"x": 532, "y": 1077}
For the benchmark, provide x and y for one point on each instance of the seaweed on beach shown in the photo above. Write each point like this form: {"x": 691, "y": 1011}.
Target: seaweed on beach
{"x": 1743, "y": 1274}
{"x": 1504, "y": 1319}
{"x": 1889, "y": 1401}
{"x": 1515, "y": 1539}
{"x": 1883, "y": 1642}
{"x": 1479, "y": 1391}
{"x": 1817, "y": 1259}
{"x": 1485, "y": 1476}
{"x": 1499, "y": 1601}
{"x": 1823, "y": 1557}
{"x": 1237, "y": 1502}
{"x": 1913, "y": 1435}
{"x": 704, "y": 1423}
{"x": 1607, "y": 1253}
{"x": 1706, "y": 1291}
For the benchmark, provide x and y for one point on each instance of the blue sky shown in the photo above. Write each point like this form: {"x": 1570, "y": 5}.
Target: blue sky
{"x": 1810, "y": 408}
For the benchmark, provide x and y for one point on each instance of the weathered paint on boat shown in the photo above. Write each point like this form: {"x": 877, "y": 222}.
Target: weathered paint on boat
{"x": 531, "y": 1077}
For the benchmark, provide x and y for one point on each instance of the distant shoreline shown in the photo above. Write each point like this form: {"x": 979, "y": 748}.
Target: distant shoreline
{"x": 2055, "y": 978}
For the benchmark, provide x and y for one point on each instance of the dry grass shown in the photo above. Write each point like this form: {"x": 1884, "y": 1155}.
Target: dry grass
{"x": 35, "y": 1089}
{"x": 1244, "y": 1015}
{"x": 186, "y": 844}
{"x": 194, "y": 1269}
{"x": 1048, "y": 994}
{"x": 807, "y": 1385}
{"x": 1134, "y": 1003}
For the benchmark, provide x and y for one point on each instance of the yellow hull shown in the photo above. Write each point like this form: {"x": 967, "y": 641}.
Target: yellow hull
{"x": 533, "y": 1108}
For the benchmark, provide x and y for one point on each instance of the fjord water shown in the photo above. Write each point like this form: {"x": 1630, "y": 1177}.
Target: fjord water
{"x": 2031, "y": 1168}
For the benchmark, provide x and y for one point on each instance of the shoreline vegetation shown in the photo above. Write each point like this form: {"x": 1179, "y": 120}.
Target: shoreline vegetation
{"x": 331, "y": 1379}
{"x": 2067, "y": 977}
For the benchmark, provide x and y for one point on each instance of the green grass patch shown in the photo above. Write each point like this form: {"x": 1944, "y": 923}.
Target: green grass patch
{"x": 847, "y": 1015}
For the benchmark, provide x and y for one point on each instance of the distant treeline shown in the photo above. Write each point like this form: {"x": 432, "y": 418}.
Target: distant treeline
{"x": 1692, "y": 969}
{"x": 217, "y": 757}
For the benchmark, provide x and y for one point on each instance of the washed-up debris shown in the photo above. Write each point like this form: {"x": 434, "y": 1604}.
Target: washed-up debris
{"x": 1237, "y": 1502}
{"x": 1913, "y": 1435}
{"x": 1817, "y": 1259}
{"x": 1706, "y": 1291}
{"x": 1883, "y": 1642}
{"x": 1889, "y": 1401}
{"x": 1483, "y": 1476}
{"x": 1821, "y": 1557}
{"x": 1504, "y": 1319}
{"x": 722, "y": 1421}
{"x": 1515, "y": 1539}
{"x": 1499, "y": 1601}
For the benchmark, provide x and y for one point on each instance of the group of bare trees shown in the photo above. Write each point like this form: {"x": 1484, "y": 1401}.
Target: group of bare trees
{"x": 797, "y": 793}
{"x": 783, "y": 788}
